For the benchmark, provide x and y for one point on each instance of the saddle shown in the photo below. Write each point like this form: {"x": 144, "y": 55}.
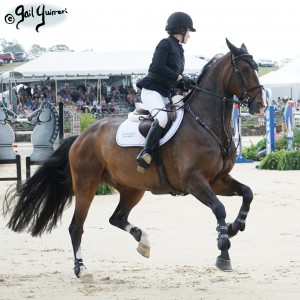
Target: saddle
{"x": 142, "y": 115}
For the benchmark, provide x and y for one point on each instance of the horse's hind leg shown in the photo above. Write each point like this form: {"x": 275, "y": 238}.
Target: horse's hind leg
{"x": 85, "y": 182}
{"x": 76, "y": 231}
{"x": 228, "y": 186}
{"x": 128, "y": 199}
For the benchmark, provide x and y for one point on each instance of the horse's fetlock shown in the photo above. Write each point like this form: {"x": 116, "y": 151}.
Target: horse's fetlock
{"x": 136, "y": 233}
{"x": 79, "y": 267}
{"x": 223, "y": 243}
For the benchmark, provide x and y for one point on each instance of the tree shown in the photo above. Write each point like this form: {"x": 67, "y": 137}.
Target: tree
{"x": 12, "y": 46}
{"x": 36, "y": 49}
{"x": 59, "y": 48}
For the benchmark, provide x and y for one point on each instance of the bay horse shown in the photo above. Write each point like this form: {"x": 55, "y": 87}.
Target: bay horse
{"x": 197, "y": 161}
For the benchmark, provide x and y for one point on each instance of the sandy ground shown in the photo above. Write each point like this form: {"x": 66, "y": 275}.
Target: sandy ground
{"x": 265, "y": 257}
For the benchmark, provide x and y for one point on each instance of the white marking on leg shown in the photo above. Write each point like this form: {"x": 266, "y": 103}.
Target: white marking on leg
{"x": 144, "y": 239}
{"x": 129, "y": 227}
{"x": 82, "y": 269}
{"x": 78, "y": 254}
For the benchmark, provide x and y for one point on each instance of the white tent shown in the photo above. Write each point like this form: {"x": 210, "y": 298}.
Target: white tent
{"x": 82, "y": 64}
{"x": 284, "y": 82}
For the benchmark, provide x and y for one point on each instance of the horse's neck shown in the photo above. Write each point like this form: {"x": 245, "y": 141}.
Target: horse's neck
{"x": 213, "y": 105}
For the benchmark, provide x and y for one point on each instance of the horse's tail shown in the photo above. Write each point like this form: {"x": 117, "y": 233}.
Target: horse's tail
{"x": 41, "y": 200}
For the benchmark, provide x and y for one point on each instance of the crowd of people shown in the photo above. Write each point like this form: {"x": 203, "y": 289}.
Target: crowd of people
{"x": 280, "y": 108}
{"x": 103, "y": 99}
{"x": 88, "y": 99}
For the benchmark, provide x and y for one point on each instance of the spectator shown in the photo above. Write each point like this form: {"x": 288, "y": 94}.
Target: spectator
{"x": 81, "y": 88}
{"x": 274, "y": 105}
{"x": 28, "y": 91}
{"x": 113, "y": 107}
{"x": 103, "y": 105}
{"x": 95, "y": 110}
{"x": 103, "y": 89}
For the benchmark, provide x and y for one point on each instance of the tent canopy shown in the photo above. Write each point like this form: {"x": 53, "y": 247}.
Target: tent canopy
{"x": 284, "y": 82}
{"x": 64, "y": 64}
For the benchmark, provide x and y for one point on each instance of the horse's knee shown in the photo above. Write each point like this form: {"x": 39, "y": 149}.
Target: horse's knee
{"x": 247, "y": 196}
{"x": 219, "y": 211}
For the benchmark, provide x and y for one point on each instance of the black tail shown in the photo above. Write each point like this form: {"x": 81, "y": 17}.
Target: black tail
{"x": 42, "y": 199}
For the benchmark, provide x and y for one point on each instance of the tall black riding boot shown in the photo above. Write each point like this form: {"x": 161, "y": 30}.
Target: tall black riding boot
{"x": 145, "y": 157}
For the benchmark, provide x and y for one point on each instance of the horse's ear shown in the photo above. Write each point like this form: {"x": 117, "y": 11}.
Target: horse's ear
{"x": 244, "y": 47}
{"x": 231, "y": 47}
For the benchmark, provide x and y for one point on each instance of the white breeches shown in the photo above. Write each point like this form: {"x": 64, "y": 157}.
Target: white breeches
{"x": 154, "y": 101}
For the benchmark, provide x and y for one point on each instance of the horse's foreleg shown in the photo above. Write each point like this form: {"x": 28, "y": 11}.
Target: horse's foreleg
{"x": 228, "y": 186}
{"x": 128, "y": 199}
{"x": 204, "y": 193}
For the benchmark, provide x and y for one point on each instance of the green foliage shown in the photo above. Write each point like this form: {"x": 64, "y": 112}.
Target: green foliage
{"x": 296, "y": 138}
{"x": 270, "y": 162}
{"x": 262, "y": 144}
{"x": 265, "y": 70}
{"x": 86, "y": 120}
{"x": 36, "y": 49}
{"x": 290, "y": 160}
{"x": 281, "y": 160}
{"x": 12, "y": 46}
{"x": 250, "y": 152}
{"x": 104, "y": 189}
{"x": 281, "y": 143}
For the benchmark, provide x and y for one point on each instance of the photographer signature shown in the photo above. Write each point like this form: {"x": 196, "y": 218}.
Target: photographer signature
{"x": 40, "y": 12}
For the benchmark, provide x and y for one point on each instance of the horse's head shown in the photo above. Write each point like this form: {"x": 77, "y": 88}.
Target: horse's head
{"x": 243, "y": 80}
{"x": 41, "y": 115}
{"x": 7, "y": 115}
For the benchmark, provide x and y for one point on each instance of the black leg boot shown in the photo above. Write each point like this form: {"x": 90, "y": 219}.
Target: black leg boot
{"x": 145, "y": 157}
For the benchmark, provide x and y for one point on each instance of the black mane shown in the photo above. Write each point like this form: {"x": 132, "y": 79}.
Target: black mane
{"x": 207, "y": 67}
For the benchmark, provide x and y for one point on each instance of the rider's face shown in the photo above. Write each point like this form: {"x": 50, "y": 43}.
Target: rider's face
{"x": 186, "y": 37}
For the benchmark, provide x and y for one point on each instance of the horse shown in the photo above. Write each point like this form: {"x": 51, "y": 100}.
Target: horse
{"x": 44, "y": 134}
{"x": 197, "y": 160}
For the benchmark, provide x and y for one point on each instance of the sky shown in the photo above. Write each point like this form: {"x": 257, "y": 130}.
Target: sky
{"x": 270, "y": 30}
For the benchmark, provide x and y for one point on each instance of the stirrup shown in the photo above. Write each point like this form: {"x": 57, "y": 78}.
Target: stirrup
{"x": 144, "y": 161}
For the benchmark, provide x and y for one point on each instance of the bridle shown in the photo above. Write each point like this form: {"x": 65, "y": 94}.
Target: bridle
{"x": 244, "y": 97}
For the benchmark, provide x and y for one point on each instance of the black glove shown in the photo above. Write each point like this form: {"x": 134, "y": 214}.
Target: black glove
{"x": 187, "y": 83}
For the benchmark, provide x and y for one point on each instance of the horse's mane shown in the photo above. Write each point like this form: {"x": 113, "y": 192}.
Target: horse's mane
{"x": 207, "y": 67}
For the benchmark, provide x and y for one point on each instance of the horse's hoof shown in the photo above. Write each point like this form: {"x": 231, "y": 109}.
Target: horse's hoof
{"x": 87, "y": 278}
{"x": 144, "y": 250}
{"x": 231, "y": 231}
{"x": 223, "y": 264}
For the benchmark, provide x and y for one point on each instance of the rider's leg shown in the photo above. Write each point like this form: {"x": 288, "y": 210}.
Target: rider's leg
{"x": 145, "y": 157}
{"x": 153, "y": 101}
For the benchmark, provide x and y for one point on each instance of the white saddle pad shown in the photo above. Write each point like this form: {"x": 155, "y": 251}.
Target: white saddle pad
{"x": 128, "y": 134}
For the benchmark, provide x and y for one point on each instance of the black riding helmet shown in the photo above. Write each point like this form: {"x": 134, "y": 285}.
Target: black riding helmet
{"x": 179, "y": 21}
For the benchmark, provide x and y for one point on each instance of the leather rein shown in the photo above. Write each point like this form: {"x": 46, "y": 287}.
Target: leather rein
{"x": 244, "y": 100}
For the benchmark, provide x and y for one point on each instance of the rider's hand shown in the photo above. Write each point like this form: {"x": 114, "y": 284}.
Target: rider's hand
{"x": 186, "y": 83}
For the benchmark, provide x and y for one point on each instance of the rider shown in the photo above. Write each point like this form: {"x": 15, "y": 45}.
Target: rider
{"x": 165, "y": 72}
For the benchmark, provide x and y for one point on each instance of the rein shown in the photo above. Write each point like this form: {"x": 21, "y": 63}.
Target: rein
{"x": 224, "y": 150}
{"x": 244, "y": 100}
